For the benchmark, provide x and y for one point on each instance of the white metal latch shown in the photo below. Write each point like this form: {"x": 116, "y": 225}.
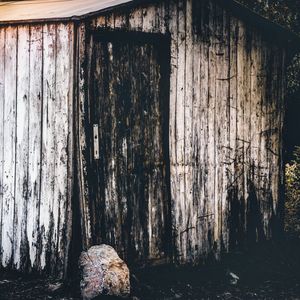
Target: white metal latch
{"x": 96, "y": 141}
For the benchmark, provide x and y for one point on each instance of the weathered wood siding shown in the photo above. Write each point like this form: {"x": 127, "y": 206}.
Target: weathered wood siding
{"x": 225, "y": 115}
{"x": 225, "y": 129}
{"x": 36, "y": 95}
{"x": 128, "y": 182}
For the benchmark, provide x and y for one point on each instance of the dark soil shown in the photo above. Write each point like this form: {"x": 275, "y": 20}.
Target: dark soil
{"x": 269, "y": 271}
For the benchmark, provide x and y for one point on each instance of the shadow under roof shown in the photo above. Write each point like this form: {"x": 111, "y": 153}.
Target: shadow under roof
{"x": 33, "y": 11}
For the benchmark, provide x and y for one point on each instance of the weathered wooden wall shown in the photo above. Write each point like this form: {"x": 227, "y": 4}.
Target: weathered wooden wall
{"x": 36, "y": 96}
{"x": 225, "y": 130}
{"x": 128, "y": 107}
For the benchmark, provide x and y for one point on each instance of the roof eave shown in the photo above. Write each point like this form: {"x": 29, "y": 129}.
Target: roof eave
{"x": 237, "y": 9}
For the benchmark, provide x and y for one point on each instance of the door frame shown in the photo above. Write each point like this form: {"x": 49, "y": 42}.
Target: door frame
{"x": 163, "y": 42}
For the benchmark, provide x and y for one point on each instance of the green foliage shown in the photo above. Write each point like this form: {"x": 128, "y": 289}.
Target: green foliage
{"x": 292, "y": 203}
{"x": 293, "y": 76}
{"x": 284, "y": 12}
{"x": 287, "y": 14}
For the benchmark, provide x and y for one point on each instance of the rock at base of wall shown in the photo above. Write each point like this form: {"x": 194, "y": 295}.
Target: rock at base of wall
{"x": 103, "y": 272}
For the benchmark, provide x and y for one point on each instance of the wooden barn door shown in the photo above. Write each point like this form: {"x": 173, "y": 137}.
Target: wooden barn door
{"x": 129, "y": 171}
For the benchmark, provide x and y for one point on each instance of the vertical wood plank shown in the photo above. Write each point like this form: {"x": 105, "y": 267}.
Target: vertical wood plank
{"x": 8, "y": 206}
{"x": 197, "y": 147}
{"x": 149, "y": 14}
{"x": 83, "y": 120}
{"x": 2, "y": 103}
{"x": 136, "y": 19}
{"x": 265, "y": 186}
{"x": 211, "y": 176}
{"x": 255, "y": 120}
{"x": 99, "y": 22}
{"x": 191, "y": 204}
{"x": 247, "y": 125}
{"x": 22, "y": 135}
{"x": 110, "y": 20}
{"x": 240, "y": 154}
{"x": 220, "y": 122}
{"x": 161, "y": 17}
{"x": 233, "y": 156}
{"x": 173, "y": 29}
{"x": 180, "y": 198}
{"x": 70, "y": 150}
{"x": 121, "y": 20}
{"x": 274, "y": 134}
{"x": 35, "y": 127}
{"x": 223, "y": 120}
{"x": 48, "y": 212}
{"x": 63, "y": 92}
{"x": 206, "y": 214}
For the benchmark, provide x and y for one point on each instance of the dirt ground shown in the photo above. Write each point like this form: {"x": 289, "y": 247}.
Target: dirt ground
{"x": 269, "y": 271}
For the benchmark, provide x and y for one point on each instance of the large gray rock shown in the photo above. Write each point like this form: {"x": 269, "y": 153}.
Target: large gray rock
{"x": 103, "y": 273}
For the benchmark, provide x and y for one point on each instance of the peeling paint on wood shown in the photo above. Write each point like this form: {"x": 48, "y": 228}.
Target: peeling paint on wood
{"x": 36, "y": 91}
{"x": 218, "y": 151}
{"x": 190, "y": 136}
{"x": 9, "y": 145}
{"x": 128, "y": 192}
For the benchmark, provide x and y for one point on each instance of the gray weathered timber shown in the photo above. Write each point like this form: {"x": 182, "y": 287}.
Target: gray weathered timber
{"x": 34, "y": 142}
{"x": 222, "y": 171}
{"x": 22, "y": 133}
{"x": 9, "y": 145}
{"x": 189, "y": 102}
{"x": 36, "y": 97}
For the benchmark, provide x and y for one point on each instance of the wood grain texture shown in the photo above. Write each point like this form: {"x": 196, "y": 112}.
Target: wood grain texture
{"x": 9, "y": 145}
{"x": 48, "y": 214}
{"x": 222, "y": 173}
{"x": 190, "y": 155}
{"x": 127, "y": 186}
{"x": 2, "y": 102}
{"x": 37, "y": 95}
{"x": 22, "y": 147}
{"x": 34, "y": 142}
